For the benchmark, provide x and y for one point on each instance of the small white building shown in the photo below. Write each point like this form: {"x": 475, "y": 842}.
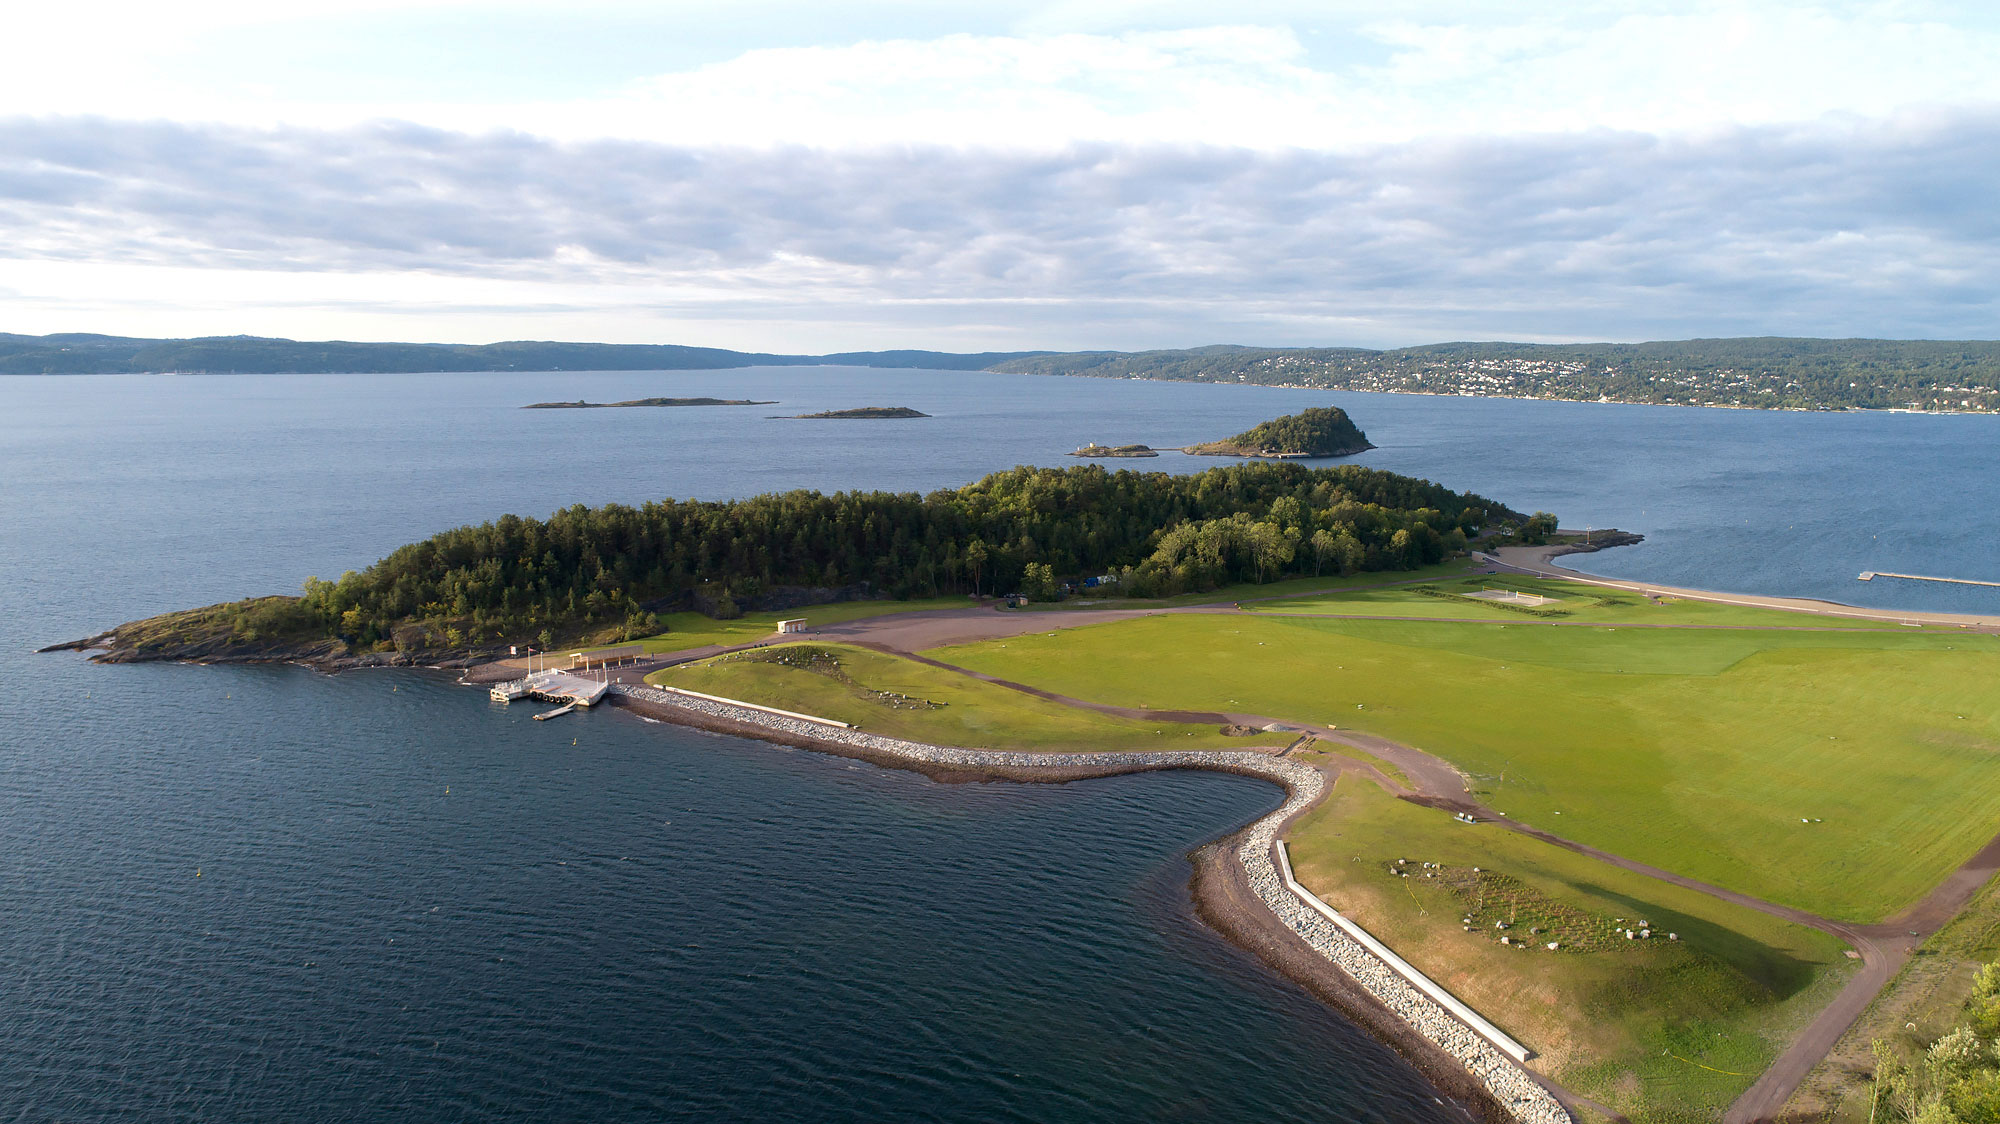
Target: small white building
{"x": 796, "y": 624}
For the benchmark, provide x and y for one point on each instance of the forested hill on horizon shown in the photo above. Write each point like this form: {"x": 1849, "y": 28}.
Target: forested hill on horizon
{"x": 1765, "y": 371}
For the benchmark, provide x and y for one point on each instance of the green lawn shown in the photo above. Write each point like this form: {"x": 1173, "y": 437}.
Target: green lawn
{"x": 1291, "y": 587}
{"x": 693, "y": 630}
{"x": 1697, "y": 751}
{"x": 975, "y": 714}
{"x": 1629, "y": 1022}
{"x": 1575, "y": 601}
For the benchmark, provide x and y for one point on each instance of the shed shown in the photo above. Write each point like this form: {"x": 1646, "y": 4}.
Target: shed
{"x": 796, "y": 624}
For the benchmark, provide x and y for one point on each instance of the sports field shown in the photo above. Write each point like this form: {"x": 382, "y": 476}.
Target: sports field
{"x": 1659, "y": 1029}
{"x": 904, "y": 699}
{"x": 1844, "y": 772}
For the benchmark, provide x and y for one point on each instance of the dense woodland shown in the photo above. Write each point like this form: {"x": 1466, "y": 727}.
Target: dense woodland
{"x": 587, "y": 569}
{"x": 1322, "y": 431}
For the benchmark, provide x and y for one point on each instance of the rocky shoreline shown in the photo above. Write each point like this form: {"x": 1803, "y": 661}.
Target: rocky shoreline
{"x": 1461, "y": 1062}
{"x": 320, "y": 655}
{"x": 1599, "y": 540}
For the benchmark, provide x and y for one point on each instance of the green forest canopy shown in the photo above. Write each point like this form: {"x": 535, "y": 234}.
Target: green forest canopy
{"x": 1321, "y": 431}
{"x": 585, "y": 568}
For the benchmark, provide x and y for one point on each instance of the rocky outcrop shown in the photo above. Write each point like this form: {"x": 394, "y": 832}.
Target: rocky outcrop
{"x": 1599, "y": 540}
{"x": 323, "y": 655}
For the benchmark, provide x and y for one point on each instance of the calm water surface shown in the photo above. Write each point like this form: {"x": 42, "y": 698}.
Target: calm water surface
{"x": 261, "y": 893}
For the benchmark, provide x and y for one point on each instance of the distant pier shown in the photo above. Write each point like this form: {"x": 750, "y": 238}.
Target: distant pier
{"x": 1871, "y": 575}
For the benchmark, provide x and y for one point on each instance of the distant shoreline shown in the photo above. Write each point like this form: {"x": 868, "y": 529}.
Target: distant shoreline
{"x": 1757, "y": 373}
{"x": 580, "y": 404}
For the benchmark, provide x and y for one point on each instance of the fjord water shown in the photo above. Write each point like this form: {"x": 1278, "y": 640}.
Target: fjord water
{"x": 263, "y": 893}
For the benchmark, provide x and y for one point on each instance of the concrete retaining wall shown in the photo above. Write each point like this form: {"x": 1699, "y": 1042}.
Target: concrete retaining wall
{"x": 1524, "y": 1098}
{"x": 1401, "y": 967}
{"x": 753, "y": 706}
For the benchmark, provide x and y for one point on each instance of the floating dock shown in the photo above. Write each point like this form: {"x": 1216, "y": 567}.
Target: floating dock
{"x": 1871, "y": 575}
{"x": 552, "y": 686}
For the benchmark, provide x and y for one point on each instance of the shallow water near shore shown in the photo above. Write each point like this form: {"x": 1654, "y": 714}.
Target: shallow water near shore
{"x": 655, "y": 923}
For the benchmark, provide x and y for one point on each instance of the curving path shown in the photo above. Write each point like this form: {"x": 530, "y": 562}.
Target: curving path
{"x": 1883, "y": 947}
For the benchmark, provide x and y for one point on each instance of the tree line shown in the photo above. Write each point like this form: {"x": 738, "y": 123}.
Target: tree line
{"x": 1024, "y": 530}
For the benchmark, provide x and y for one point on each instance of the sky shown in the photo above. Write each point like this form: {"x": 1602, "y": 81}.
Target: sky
{"x": 781, "y": 176}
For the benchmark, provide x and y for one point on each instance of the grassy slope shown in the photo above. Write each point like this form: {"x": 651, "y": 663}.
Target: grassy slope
{"x": 976, "y": 714}
{"x": 1086, "y": 600}
{"x": 693, "y": 630}
{"x": 1923, "y": 1002}
{"x": 1608, "y": 1021}
{"x": 1697, "y": 751}
{"x": 1578, "y": 603}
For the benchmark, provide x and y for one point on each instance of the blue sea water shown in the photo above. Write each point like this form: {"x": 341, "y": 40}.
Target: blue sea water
{"x": 234, "y": 894}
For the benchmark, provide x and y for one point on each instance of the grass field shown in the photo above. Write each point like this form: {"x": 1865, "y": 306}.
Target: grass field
{"x": 886, "y": 695}
{"x": 1574, "y": 602}
{"x": 1661, "y": 1030}
{"x": 1290, "y": 587}
{"x": 1698, "y": 751}
{"x": 693, "y": 630}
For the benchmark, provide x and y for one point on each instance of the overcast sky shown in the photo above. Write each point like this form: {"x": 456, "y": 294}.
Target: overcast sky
{"x": 1095, "y": 173}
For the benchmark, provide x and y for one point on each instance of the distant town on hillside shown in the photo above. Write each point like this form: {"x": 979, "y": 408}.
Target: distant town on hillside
{"x": 1765, "y": 372}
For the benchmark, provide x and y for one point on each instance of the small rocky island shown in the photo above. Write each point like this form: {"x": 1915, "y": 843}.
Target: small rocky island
{"x": 1101, "y": 451}
{"x": 1323, "y": 431}
{"x": 866, "y": 412}
{"x": 580, "y": 404}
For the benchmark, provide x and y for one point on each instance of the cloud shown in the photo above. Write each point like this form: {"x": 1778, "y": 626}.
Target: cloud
{"x": 1036, "y": 75}
{"x": 1849, "y": 228}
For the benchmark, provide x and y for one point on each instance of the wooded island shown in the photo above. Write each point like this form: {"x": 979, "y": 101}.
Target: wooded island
{"x": 607, "y": 571}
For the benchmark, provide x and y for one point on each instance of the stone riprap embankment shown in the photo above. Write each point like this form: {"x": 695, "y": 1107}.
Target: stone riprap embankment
{"x": 1510, "y": 1086}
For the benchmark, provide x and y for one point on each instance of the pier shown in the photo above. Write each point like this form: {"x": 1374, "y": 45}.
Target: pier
{"x": 552, "y": 686}
{"x": 1871, "y": 575}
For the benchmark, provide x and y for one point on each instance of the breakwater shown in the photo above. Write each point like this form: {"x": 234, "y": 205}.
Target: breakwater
{"x": 1512, "y": 1088}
